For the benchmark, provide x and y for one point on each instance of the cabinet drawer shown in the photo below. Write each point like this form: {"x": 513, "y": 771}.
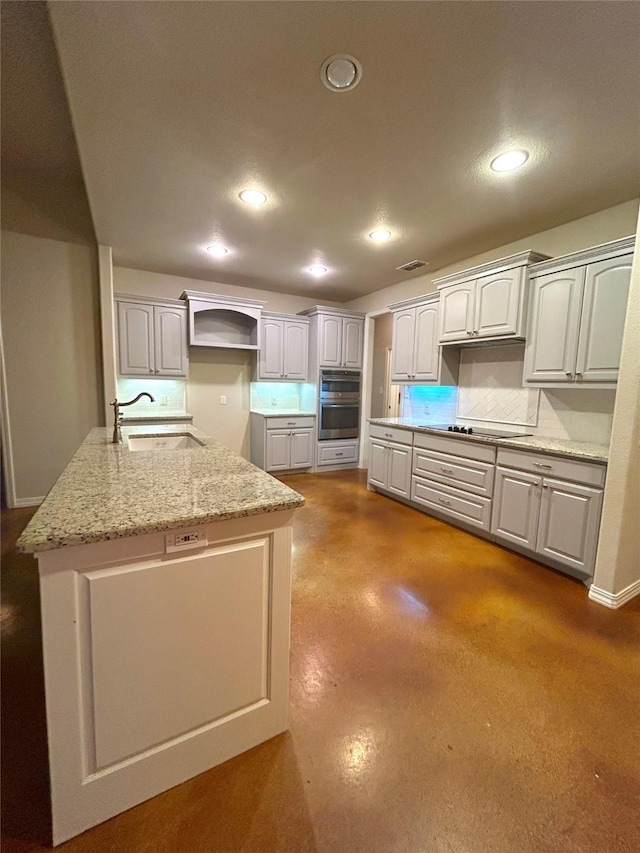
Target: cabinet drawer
{"x": 589, "y": 473}
{"x": 385, "y": 433}
{"x": 333, "y": 454}
{"x": 466, "y": 447}
{"x": 468, "y": 474}
{"x": 471, "y": 509}
{"x": 291, "y": 421}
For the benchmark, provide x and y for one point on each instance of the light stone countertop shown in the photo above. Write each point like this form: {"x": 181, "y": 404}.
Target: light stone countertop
{"x": 109, "y": 492}
{"x": 282, "y": 413}
{"x": 584, "y": 450}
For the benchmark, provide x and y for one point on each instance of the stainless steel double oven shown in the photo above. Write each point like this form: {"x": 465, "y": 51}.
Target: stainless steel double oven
{"x": 339, "y": 404}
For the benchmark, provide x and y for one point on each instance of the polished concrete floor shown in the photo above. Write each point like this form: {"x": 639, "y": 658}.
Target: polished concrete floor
{"x": 447, "y": 696}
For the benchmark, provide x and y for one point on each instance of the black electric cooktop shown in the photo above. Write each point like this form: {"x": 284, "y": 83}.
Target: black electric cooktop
{"x": 463, "y": 429}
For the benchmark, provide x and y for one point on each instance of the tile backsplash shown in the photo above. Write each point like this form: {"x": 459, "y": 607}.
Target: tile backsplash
{"x": 490, "y": 393}
{"x": 279, "y": 396}
{"x": 170, "y": 397}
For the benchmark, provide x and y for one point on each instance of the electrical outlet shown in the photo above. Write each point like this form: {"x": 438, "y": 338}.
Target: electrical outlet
{"x": 274, "y": 401}
{"x": 163, "y": 400}
{"x": 426, "y": 410}
{"x": 185, "y": 540}
{"x": 223, "y": 399}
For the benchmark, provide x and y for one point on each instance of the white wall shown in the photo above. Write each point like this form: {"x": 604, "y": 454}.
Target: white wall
{"x": 618, "y": 559}
{"x": 142, "y": 283}
{"x": 381, "y": 342}
{"x": 51, "y": 358}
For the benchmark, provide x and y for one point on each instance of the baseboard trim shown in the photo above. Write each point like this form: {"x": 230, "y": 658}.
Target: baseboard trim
{"x": 20, "y": 502}
{"x": 614, "y": 600}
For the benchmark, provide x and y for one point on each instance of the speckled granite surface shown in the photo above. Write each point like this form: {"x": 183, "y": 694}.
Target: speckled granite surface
{"x": 584, "y": 450}
{"x": 109, "y": 492}
{"x": 279, "y": 413}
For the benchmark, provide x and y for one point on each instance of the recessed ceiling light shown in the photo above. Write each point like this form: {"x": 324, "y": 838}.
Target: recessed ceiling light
{"x": 317, "y": 269}
{"x": 254, "y": 197}
{"x": 341, "y": 72}
{"x": 509, "y": 160}
{"x": 380, "y": 235}
{"x": 217, "y": 250}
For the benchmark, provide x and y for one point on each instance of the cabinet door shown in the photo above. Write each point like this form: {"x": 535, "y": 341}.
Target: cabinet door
{"x": 402, "y": 344}
{"x": 378, "y": 463}
{"x": 456, "y": 311}
{"x": 497, "y": 304}
{"x": 135, "y": 339}
{"x": 516, "y": 507}
{"x": 352, "y": 341}
{"x": 278, "y": 449}
{"x": 399, "y": 469}
{"x": 604, "y": 308}
{"x": 296, "y": 348}
{"x": 330, "y": 343}
{"x": 552, "y": 336}
{"x": 170, "y": 325}
{"x": 426, "y": 346}
{"x": 301, "y": 448}
{"x": 271, "y": 350}
{"x": 569, "y": 524}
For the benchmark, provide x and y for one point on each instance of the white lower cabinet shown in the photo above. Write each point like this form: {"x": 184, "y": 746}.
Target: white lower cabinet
{"x": 454, "y": 477}
{"x": 390, "y": 467}
{"x": 547, "y": 506}
{"x": 556, "y": 519}
{"x": 282, "y": 443}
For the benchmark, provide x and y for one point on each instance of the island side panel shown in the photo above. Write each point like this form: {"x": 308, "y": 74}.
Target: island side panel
{"x": 110, "y": 752}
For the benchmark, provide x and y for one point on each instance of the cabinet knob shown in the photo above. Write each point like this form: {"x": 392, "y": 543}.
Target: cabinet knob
{"x": 151, "y": 370}
{"x": 468, "y": 332}
{"x": 157, "y": 370}
{"x": 545, "y": 486}
{"x": 578, "y": 373}
{"x": 569, "y": 373}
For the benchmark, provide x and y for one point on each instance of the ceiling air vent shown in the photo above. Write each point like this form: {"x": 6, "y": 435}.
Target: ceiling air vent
{"x": 412, "y": 265}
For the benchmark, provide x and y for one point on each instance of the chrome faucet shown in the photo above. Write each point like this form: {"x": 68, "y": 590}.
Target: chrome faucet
{"x": 117, "y": 415}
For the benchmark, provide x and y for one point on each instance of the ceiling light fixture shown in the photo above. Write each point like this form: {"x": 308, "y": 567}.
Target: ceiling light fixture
{"x": 380, "y": 235}
{"x": 253, "y": 197}
{"x": 317, "y": 269}
{"x": 341, "y": 73}
{"x": 509, "y": 160}
{"x": 217, "y": 250}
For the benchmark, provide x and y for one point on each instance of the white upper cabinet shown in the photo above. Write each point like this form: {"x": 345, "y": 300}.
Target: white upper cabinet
{"x": 416, "y": 355}
{"x": 486, "y": 302}
{"x": 284, "y": 348}
{"x": 336, "y": 337}
{"x": 578, "y": 309}
{"x": 152, "y": 336}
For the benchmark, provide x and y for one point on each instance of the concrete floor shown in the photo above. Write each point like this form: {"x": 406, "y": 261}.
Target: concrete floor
{"x": 447, "y": 696}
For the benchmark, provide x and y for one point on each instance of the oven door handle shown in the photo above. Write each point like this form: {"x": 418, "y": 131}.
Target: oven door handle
{"x": 340, "y": 405}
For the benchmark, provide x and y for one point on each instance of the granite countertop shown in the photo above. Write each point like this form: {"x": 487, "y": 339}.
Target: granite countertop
{"x": 109, "y": 492}
{"x": 584, "y": 450}
{"x": 282, "y": 413}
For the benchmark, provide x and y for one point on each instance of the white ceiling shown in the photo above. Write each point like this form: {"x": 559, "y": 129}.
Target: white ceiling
{"x": 178, "y": 106}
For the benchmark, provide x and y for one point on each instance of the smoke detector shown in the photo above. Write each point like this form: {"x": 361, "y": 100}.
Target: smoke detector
{"x": 412, "y": 265}
{"x": 341, "y": 72}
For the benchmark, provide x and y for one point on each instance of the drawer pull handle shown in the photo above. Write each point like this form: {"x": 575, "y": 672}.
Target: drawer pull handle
{"x": 291, "y": 423}
{"x": 443, "y": 501}
{"x": 388, "y": 435}
{"x": 447, "y": 471}
{"x": 339, "y": 454}
{"x": 541, "y": 465}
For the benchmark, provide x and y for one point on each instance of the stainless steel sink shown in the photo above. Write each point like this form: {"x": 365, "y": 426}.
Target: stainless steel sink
{"x": 174, "y": 441}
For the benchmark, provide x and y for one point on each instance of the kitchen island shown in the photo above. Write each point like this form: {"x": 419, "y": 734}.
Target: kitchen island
{"x": 165, "y": 595}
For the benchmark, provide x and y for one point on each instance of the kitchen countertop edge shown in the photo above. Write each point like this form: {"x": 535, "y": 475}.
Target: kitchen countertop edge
{"x": 582, "y": 450}
{"x": 108, "y": 492}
